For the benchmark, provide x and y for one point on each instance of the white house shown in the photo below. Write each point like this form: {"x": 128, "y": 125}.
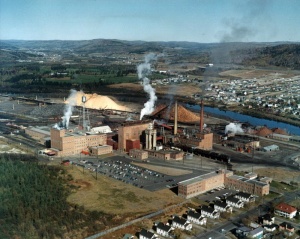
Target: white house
{"x": 285, "y": 210}
{"x": 245, "y": 197}
{"x": 234, "y": 202}
{"x": 266, "y": 219}
{"x": 164, "y": 230}
{"x": 210, "y": 212}
{"x": 145, "y": 234}
{"x": 195, "y": 217}
{"x": 222, "y": 207}
{"x": 181, "y": 223}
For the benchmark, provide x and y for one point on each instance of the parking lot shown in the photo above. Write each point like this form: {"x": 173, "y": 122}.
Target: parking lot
{"x": 122, "y": 169}
{"x": 216, "y": 194}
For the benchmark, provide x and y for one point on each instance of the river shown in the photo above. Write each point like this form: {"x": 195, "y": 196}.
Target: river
{"x": 291, "y": 129}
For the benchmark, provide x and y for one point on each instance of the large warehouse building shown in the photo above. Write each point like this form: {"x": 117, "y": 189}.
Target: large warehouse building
{"x": 198, "y": 185}
{"x": 67, "y": 142}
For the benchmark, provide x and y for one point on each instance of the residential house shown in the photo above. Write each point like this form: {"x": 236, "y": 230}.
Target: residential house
{"x": 164, "y": 230}
{"x": 285, "y": 210}
{"x": 221, "y": 206}
{"x": 234, "y": 202}
{"x": 245, "y": 197}
{"x": 287, "y": 228}
{"x": 145, "y": 234}
{"x": 242, "y": 232}
{"x": 270, "y": 228}
{"x": 195, "y": 217}
{"x": 266, "y": 219}
{"x": 257, "y": 233}
{"x": 181, "y": 223}
{"x": 210, "y": 212}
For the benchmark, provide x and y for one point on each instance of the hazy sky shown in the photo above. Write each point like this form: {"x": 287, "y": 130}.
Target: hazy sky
{"x": 151, "y": 20}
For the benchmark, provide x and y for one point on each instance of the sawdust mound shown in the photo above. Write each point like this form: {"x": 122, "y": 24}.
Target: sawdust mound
{"x": 168, "y": 113}
{"x": 95, "y": 101}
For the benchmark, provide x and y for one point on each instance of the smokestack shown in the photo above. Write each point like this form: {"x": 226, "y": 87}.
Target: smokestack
{"x": 175, "y": 117}
{"x": 201, "y": 116}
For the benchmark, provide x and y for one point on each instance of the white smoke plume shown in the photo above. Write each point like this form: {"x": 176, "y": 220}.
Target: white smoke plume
{"x": 234, "y": 128}
{"x": 144, "y": 70}
{"x": 71, "y": 102}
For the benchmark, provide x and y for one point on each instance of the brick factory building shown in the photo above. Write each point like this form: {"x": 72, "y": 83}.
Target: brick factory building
{"x": 136, "y": 135}
{"x": 39, "y": 133}
{"x": 198, "y": 185}
{"x": 68, "y": 142}
{"x": 101, "y": 149}
{"x": 195, "y": 186}
{"x": 247, "y": 185}
{"x": 167, "y": 154}
{"x": 138, "y": 154}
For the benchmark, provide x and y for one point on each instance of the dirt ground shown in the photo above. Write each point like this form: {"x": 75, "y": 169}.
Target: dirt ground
{"x": 256, "y": 73}
{"x": 185, "y": 89}
{"x": 279, "y": 174}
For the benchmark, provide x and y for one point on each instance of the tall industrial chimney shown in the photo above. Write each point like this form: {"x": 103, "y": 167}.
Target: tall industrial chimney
{"x": 175, "y": 117}
{"x": 201, "y": 116}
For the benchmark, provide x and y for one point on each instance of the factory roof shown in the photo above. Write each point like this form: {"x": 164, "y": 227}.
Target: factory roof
{"x": 198, "y": 178}
{"x": 41, "y": 130}
{"x": 251, "y": 181}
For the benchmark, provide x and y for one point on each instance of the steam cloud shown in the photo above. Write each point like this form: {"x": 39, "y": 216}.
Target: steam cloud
{"x": 144, "y": 70}
{"x": 71, "y": 102}
{"x": 234, "y": 128}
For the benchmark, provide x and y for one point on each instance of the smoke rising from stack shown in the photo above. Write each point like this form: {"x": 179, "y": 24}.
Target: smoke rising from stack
{"x": 234, "y": 128}
{"x": 71, "y": 102}
{"x": 144, "y": 70}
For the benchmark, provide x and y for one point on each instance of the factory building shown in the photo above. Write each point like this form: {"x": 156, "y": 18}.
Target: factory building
{"x": 101, "y": 149}
{"x": 39, "y": 133}
{"x": 132, "y": 131}
{"x": 198, "y": 185}
{"x": 247, "y": 185}
{"x": 68, "y": 142}
{"x": 166, "y": 154}
{"x": 195, "y": 186}
{"x": 138, "y": 154}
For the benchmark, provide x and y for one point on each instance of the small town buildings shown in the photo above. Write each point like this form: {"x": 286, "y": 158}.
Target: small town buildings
{"x": 164, "y": 230}
{"x": 221, "y": 206}
{"x": 286, "y": 227}
{"x": 245, "y": 197}
{"x": 181, "y": 223}
{"x": 145, "y": 234}
{"x": 234, "y": 202}
{"x": 196, "y": 218}
{"x": 242, "y": 232}
{"x": 270, "y": 148}
{"x": 266, "y": 219}
{"x": 270, "y": 228}
{"x": 256, "y": 233}
{"x": 209, "y": 212}
{"x": 285, "y": 210}
{"x": 138, "y": 154}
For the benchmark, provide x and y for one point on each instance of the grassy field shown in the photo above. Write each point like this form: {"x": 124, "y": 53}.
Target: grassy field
{"x": 115, "y": 197}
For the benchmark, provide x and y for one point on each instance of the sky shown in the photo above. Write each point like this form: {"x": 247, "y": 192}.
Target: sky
{"x": 202, "y": 21}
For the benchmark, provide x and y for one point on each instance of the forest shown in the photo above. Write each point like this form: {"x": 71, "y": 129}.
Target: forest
{"x": 33, "y": 202}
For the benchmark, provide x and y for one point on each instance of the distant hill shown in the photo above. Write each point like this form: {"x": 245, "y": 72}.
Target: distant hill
{"x": 282, "y": 54}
